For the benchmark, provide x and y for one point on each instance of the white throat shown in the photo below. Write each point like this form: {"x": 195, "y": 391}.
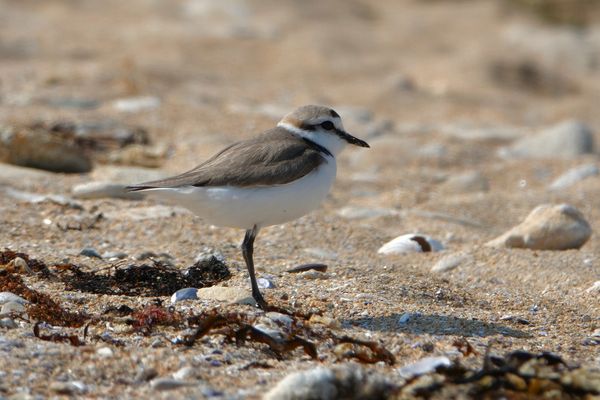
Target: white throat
{"x": 330, "y": 141}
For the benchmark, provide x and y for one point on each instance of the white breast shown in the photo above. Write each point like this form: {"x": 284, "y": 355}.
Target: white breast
{"x": 240, "y": 207}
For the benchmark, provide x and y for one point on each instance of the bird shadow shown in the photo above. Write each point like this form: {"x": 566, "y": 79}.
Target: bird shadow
{"x": 434, "y": 325}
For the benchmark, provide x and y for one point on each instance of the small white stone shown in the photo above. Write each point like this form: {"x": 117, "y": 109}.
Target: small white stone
{"x": 595, "y": 288}
{"x": 185, "y": 373}
{"x": 424, "y": 366}
{"x": 450, "y": 262}
{"x": 12, "y": 307}
{"x": 184, "y": 294}
{"x": 135, "y": 104}
{"x": 105, "y": 352}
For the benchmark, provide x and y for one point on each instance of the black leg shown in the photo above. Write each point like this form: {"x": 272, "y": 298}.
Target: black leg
{"x": 248, "y": 251}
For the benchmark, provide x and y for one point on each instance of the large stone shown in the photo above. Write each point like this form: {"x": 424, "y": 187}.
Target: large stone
{"x": 567, "y": 139}
{"x": 36, "y": 147}
{"x": 548, "y": 227}
{"x": 348, "y": 381}
{"x": 100, "y": 190}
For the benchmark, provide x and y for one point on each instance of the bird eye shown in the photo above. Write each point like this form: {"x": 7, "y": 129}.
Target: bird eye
{"x": 327, "y": 125}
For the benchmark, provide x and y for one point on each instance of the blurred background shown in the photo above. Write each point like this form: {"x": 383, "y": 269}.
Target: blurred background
{"x": 181, "y": 78}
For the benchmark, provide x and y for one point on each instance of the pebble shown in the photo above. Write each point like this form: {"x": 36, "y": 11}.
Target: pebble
{"x": 450, "y": 262}
{"x": 163, "y": 384}
{"x": 411, "y": 243}
{"x": 184, "y": 294}
{"x": 136, "y": 104}
{"x": 114, "y": 255}
{"x": 8, "y": 323}
{"x": 105, "y": 352}
{"x": 102, "y": 190}
{"x": 280, "y": 319}
{"x": 226, "y": 294}
{"x": 467, "y": 182}
{"x": 90, "y": 252}
{"x": 573, "y": 176}
{"x": 12, "y": 307}
{"x": 6, "y": 297}
{"x": 321, "y": 253}
{"x": 314, "y": 275}
{"x": 355, "y": 212}
{"x": 404, "y": 318}
{"x": 20, "y": 265}
{"x": 183, "y": 373}
{"x": 345, "y": 381}
{"x": 424, "y": 366}
{"x": 548, "y": 227}
{"x": 594, "y": 289}
{"x": 69, "y": 388}
{"x": 567, "y": 139}
{"x": 208, "y": 254}
{"x": 265, "y": 283}
{"x": 307, "y": 267}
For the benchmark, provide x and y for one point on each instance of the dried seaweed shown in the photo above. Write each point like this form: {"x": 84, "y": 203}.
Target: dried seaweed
{"x": 73, "y": 340}
{"x": 41, "y": 307}
{"x": 157, "y": 279}
{"x": 153, "y": 315}
{"x": 377, "y": 351}
{"x": 238, "y": 328}
{"x": 33, "y": 264}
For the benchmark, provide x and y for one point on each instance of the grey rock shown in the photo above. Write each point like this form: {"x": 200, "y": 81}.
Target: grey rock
{"x": 207, "y": 254}
{"x": 184, "y": 294}
{"x": 69, "y": 388}
{"x": 548, "y": 227}
{"x": 11, "y": 308}
{"x": 164, "y": 384}
{"x": 467, "y": 182}
{"x": 480, "y": 133}
{"x": 424, "y": 366}
{"x": 90, "y": 252}
{"x": 349, "y": 381}
{"x": 8, "y": 323}
{"x": 450, "y": 262}
{"x": 565, "y": 140}
{"x": 101, "y": 190}
{"x": 574, "y": 176}
{"x": 5, "y": 297}
{"x": 404, "y": 318}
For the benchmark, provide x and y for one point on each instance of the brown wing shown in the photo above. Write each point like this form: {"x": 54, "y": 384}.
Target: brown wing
{"x": 273, "y": 158}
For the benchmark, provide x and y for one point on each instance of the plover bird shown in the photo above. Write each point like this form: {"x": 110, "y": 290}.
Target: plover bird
{"x": 275, "y": 177}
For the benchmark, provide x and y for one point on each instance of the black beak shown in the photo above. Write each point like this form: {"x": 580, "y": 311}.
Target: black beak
{"x": 351, "y": 139}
